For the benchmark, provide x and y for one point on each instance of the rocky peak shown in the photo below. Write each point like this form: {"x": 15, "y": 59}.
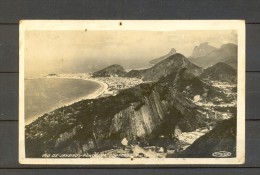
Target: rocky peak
{"x": 202, "y": 50}
{"x": 172, "y": 51}
{"x": 157, "y": 60}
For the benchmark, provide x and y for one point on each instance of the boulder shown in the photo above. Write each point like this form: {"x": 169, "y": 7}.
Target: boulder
{"x": 124, "y": 142}
{"x": 196, "y": 98}
{"x": 161, "y": 150}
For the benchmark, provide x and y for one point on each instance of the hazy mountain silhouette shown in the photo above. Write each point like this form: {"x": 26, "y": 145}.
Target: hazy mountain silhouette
{"x": 202, "y": 50}
{"x": 157, "y": 60}
{"x": 226, "y": 53}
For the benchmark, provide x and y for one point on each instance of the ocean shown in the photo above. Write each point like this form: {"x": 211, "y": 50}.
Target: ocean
{"x": 46, "y": 94}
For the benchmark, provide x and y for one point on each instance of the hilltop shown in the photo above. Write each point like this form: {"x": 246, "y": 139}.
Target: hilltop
{"x": 220, "y": 72}
{"x": 167, "y": 66}
{"x": 111, "y": 71}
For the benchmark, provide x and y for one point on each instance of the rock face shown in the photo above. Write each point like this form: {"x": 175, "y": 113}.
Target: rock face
{"x": 226, "y": 53}
{"x": 221, "y": 138}
{"x": 143, "y": 113}
{"x": 202, "y": 50}
{"x": 157, "y": 60}
{"x": 169, "y": 65}
{"x": 220, "y": 72}
{"x": 111, "y": 71}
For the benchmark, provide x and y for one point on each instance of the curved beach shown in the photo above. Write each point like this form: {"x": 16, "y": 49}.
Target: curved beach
{"x": 99, "y": 91}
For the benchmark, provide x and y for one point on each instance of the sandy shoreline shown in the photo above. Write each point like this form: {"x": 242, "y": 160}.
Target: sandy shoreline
{"x": 103, "y": 88}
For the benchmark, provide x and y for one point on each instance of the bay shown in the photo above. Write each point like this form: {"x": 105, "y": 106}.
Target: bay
{"x": 46, "y": 94}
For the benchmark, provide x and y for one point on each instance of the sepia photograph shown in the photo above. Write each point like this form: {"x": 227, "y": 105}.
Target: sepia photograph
{"x": 132, "y": 92}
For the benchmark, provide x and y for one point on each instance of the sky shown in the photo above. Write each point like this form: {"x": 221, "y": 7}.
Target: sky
{"x": 88, "y": 51}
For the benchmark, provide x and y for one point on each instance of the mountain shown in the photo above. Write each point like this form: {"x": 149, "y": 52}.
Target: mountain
{"x": 220, "y": 72}
{"x": 221, "y": 138}
{"x": 232, "y": 61}
{"x": 157, "y": 60}
{"x": 191, "y": 85}
{"x": 202, "y": 50}
{"x": 226, "y": 53}
{"x": 142, "y": 113}
{"x": 167, "y": 66}
{"x": 111, "y": 71}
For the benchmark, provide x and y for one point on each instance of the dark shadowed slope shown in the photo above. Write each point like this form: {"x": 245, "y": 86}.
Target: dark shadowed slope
{"x": 220, "y": 72}
{"x": 221, "y": 138}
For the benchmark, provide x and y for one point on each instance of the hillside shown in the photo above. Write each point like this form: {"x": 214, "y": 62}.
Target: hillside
{"x": 142, "y": 113}
{"x": 221, "y": 138}
{"x": 157, "y": 60}
{"x": 226, "y": 53}
{"x": 220, "y": 72}
{"x": 167, "y": 66}
{"x": 111, "y": 71}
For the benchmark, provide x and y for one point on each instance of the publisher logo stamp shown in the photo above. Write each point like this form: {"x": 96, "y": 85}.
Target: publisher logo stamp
{"x": 221, "y": 154}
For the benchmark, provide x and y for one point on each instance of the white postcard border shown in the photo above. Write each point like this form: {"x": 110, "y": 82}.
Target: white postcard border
{"x": 147, "y": 25}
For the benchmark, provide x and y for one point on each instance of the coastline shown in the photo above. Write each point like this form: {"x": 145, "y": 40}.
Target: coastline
{"x": 101, "y": 90}
{"x": 103, "y": 87}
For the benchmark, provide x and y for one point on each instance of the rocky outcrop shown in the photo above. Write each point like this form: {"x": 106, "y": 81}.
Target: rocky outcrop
{"x": 111, "y": 71}
{"x": 221, "y": 139}
{"x": 168, "y": 66}
{"x": 157, "y": 60}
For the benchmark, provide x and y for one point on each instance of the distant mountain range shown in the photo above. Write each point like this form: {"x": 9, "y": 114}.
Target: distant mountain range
{"x": 205, "y": 55}
{"x": 157, "y": 60}
{"x": 227, "y": 53}
{"x": 221, "y": 71}
{"x": 163, "y": 68}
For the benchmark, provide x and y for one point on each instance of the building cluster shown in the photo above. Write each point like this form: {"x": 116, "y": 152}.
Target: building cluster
{"x": 118, "y": 83}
